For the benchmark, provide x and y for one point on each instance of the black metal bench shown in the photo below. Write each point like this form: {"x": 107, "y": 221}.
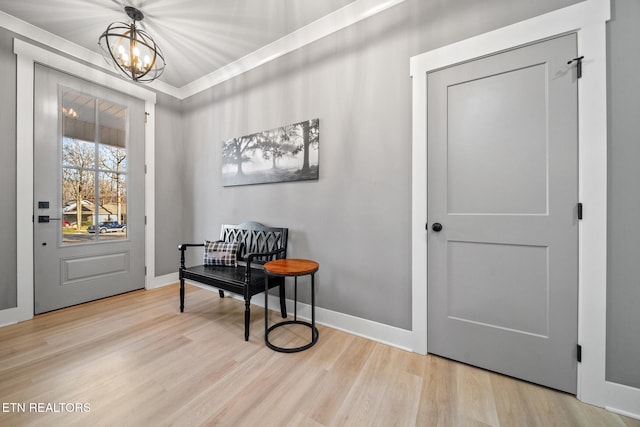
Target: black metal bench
{"x": 258, "y": 244}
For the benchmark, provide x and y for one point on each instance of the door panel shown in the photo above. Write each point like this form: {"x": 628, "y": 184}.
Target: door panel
{"x": 518, "y": 275}
{"x": 502, "y": 181}
{"x": 94, "y": 267}
{"x": 513, "y": 135}
{"x": 89, "y": 163}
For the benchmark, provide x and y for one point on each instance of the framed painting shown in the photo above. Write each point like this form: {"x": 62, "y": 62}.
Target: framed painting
{"x": 287, "y": 153}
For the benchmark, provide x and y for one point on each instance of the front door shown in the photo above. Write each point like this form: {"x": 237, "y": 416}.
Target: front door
{"x": 88, "y": 191}
{"x": 502, "y": 211}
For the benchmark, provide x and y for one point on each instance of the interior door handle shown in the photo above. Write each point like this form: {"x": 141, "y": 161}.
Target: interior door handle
{"x": 437, "y": 227}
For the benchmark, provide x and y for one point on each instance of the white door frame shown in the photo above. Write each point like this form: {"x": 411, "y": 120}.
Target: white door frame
{"x": 588, "y": 20}
{"x": 27, "y": 56}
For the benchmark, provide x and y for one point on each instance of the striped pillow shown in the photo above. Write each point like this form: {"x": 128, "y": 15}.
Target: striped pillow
{"x": 221, "y": 253}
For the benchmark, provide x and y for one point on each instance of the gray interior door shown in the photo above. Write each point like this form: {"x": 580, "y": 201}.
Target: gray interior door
{"x": 503, "y": 185}
{"x": 88, "y": 191}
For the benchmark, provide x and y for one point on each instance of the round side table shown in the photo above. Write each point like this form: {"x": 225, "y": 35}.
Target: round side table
{"x": 293, "y": 268}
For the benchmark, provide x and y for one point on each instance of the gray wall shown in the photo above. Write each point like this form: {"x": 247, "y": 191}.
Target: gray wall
{"x": 623, "y": 249}
{"x": 169, "y": 176}
{"x": 8, "y": 290}
{"x": 356, "y": 219}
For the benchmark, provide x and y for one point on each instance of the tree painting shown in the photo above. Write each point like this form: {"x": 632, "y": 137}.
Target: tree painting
{"x": 287, "y": 153}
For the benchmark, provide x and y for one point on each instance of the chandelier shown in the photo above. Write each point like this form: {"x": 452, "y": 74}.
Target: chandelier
{"x": 131, "y": 50}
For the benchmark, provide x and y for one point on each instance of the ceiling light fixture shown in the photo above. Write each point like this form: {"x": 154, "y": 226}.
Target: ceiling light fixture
{"x": 131, "y": 50}
{"x": 71, "y": 113}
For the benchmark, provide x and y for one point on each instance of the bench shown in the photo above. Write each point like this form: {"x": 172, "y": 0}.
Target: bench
{"x": 257, "y": 244}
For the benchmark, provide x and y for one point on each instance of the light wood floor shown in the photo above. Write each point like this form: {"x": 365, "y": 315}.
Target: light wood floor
{"x": 134, "y": 360}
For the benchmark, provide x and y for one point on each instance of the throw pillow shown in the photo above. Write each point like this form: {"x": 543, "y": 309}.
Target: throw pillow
{"x": 221, "y": 253}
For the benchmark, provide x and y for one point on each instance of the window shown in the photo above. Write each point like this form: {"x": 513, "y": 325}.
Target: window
{"x": 94, "y": 169}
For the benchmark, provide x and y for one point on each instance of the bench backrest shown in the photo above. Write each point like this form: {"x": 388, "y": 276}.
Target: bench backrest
{"x": 256, "y": 238}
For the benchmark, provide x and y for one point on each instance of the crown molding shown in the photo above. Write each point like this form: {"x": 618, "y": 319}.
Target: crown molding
{"x": 328, "y": 24}
{"x": 46, "y": 38}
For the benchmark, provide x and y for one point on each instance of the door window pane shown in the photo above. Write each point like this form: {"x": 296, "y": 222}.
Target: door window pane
{"x": 112, "y": 218}
{"x": 77, "y": 153}
{"x": 113, "y": 158}
{"x": 78, "y": 197}
{"x": 78, "y": 117}
{"x": 113, "y": 138}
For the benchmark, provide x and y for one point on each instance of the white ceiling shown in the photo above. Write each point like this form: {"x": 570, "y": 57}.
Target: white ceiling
{"x": 197, "y": 37}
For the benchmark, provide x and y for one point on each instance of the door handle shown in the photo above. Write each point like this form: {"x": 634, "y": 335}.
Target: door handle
{"x": 45, "y": 218}
{"x": 437, "y": 227}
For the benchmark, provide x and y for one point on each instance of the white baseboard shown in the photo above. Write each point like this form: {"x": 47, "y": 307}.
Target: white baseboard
{"x": 385, "y": 334}
{"x": 160, "y": 281}
{"x": 8, "y": 316}
{"x": 623, "y": 400}
{"x": 621, "y": 412}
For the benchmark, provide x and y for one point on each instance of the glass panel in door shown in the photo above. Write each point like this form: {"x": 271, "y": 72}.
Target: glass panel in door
{"x": 94, "y": 191}
{"x": 78, "y": 166}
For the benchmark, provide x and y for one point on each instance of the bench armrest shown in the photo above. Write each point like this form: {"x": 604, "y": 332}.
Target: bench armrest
{"x": 182, "y": 248}
{"x": 251, "y": 256}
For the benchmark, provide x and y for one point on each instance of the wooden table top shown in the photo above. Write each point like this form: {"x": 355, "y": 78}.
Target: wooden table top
{"x": 291, "y": 267}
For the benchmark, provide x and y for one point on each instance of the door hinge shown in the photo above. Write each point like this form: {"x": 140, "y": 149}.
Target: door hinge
{"x": 578, "y": 62}
{"x": 145, "y": 270}
{"x": 579, "y": 211}
{"x": 145, "y": 220}
{"x": 146, "y": 115}
{"x": 579, "y": 353}
{"x": 145, "y": 169}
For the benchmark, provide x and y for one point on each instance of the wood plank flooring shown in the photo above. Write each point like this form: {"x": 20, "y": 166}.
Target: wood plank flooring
{"x": 135, "y": 360}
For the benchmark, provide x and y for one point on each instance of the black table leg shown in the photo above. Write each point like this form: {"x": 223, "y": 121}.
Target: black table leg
{"x": 266, "y": 307}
